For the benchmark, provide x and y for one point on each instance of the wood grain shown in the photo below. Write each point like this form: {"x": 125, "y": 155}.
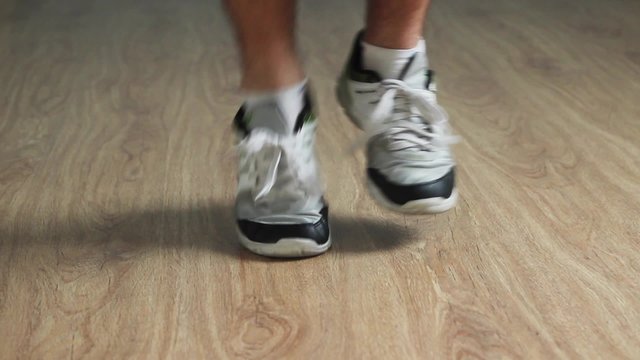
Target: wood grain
{"x": 116, "y": 188}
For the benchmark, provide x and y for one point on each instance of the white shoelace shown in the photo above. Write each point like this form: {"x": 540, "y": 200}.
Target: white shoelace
{"x": 410, "y": 117}
{"x": 263, "y": 152}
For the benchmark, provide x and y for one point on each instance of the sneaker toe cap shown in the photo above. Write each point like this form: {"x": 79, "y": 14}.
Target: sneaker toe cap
{"x": 402, "y": 193}
{"x": 272, "y": 233}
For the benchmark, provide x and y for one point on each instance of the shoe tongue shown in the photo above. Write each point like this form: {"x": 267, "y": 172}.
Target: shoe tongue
{"x": 271, "y": 116}
{"x": 277, "y": 112}
{"x": 414, "y": 70}
{"x": 414, "y": 74}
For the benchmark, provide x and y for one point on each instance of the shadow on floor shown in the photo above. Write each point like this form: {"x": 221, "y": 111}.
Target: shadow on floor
{"x": 209, "y": 227}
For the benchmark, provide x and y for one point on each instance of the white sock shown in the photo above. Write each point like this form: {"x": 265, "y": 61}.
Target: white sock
{"x": 277, "y": 110}
{"x": 388, "y": 63}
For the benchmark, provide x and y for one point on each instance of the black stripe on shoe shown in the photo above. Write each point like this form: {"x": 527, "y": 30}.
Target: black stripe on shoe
{"x": 430, "y": 80}
{"x": 239, "y": 123}
{"x": 272, "y": 233}
{"x": 402, "y": 194}
{"x": 355, "y": 69}
{"x": 306, "y": 114}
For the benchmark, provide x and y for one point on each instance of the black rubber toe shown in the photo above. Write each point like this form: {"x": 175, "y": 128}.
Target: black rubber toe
{"x": 402, "y": 194}
{"x": 272, "y": 233}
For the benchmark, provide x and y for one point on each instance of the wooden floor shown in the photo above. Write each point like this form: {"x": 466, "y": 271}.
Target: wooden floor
{"x": 117, "y": 184}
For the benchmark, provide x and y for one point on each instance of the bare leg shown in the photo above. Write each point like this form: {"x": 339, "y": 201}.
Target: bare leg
{"x": 395, "y": 24}
{"x": 265, "y": 33}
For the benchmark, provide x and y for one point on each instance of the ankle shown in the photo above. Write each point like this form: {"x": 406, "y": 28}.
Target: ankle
{"x": 396, "y": 40}
{"x": 271, "y": 74}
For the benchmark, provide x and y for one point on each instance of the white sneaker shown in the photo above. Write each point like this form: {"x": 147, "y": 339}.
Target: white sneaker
{"x": 410, "y": 167}
{"x": 280, "y": 208}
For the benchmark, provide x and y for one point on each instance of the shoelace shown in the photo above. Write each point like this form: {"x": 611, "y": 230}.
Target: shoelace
{"x": 427, "y": 129}
{"x": 263, "y": 154}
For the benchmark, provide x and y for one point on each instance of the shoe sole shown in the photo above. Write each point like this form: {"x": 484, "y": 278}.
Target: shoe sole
{"x": 285, "y": 248}
{"x": 419, "y": 206}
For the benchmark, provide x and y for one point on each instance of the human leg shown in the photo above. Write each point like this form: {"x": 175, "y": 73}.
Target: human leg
{"x": 387, "y": 90}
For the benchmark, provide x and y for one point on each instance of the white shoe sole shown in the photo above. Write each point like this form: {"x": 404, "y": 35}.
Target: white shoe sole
{"x": 285, "y": 248}
{"x": 420, "y": 206}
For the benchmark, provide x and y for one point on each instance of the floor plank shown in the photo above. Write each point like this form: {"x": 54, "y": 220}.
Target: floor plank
{"x": 116, "y": 188}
